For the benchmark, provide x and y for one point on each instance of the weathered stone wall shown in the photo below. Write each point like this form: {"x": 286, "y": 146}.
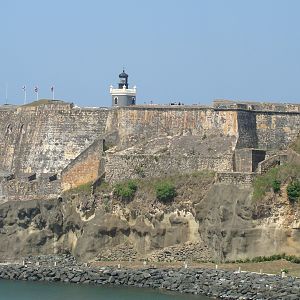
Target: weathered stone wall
{"x": 271, "y": 162}
{"x": 243, "y": 160}
{"x": 45, "y": 138}
{"x": 247, "y": 160}
{"x": 21, "y": 188}
{"x": 121, "y": 167}
{"x": 235, "y": 178}
{"x": 276, "y": 130}
{"x": 247, "y": 136}
{"x": 139, "y": 123}
{"x": 263, "y": 126}
{"x": 87, "y": 167}
{"x": 256, "y": 106}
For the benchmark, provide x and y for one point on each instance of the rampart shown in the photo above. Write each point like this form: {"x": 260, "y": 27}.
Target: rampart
{"x": 266, "y": 126}
{"x": 29, "y": 186}
{"x": 271, "y": 162}
{"x": 45, "y": 138}
{"x": 48, "y": 138}
{"x": 121, "y": 167}
{"x": 85, "y": 168}
{"x": 236, "y": 178}
{"x": 140, "y": 123}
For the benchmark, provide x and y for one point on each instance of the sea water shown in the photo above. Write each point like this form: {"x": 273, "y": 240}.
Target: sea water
{"x": 28, "y": 290}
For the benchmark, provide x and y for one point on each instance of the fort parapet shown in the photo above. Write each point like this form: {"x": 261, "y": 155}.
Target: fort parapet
{"x": 48, "y": 137}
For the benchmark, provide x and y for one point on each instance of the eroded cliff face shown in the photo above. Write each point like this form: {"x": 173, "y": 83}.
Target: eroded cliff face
{"x": 205, "y": 221}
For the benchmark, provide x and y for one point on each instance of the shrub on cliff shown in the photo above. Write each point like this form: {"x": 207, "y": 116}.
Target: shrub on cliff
{"x": 271, "y": 179}
{"x": 125, "y": 190}
{"x": 276, "y": 185}
{"x": 293, "y": 191}
{"x": 165, "y": 191}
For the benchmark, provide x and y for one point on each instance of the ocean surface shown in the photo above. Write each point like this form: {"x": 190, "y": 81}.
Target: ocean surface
{"x": 26, "y": 290}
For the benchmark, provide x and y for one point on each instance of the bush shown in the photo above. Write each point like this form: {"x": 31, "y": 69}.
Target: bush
{"x": 125, "y": 190}
{"x": 276, "y": 185}
{"x": 293, "y": 191}
{"x": 165, "y": 191}
{"x": 264, "y": 183}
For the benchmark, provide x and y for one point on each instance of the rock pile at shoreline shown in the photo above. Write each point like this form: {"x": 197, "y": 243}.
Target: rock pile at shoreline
{"x": 213, "y": 283}
{"x": 196, "y": 251}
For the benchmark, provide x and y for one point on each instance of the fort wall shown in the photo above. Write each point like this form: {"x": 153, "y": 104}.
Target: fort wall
{"x": 85, "y": 168}
{"x": 235, "y": 178}
{"x": 23, "y": 188}
{"x": 52, "y": 137}
{"x": 276, "y": 130}
{"x": 122, "y": 167}
{"x": 139, "y": 123}
{"x": 45, "y": 138}
{"x": 266, "y": 126}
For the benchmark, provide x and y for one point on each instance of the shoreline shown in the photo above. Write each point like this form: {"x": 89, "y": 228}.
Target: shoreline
{"x": 220, "y": 284}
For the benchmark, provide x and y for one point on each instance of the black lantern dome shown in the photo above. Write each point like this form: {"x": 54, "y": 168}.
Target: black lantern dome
{"x": 123, "y": 80}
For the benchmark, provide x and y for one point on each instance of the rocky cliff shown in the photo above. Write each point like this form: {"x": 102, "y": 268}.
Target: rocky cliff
{"x": 209, "y": 219}
{"x": 206, "y": 221}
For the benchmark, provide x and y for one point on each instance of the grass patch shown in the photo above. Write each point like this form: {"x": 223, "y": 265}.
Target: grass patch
{"x": 273, "y": 179}
{"x": 148, "y": 184}
{"x": 290, "y": 258}
{"x": 85, "y": 188}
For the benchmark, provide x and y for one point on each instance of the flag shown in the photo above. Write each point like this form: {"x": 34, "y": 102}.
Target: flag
{"x": 24, "y": 88}
{"x": 52, "y": 88}
{"x": 36, "y": 89}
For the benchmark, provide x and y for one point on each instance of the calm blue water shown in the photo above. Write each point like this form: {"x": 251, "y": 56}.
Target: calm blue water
{"x": 25, "y": 290}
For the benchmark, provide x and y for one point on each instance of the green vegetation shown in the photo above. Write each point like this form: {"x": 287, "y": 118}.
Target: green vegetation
{"x": 85, "y": 188}
{"x": 276, "y": 185}
{"x": 165, "y": 191}
{"x": 148, "y": 185}
{"x": 125, "y": 190}
{"x": 270, "y": 180}
{"x": 290, "y": 258}
{"x": 285, "y": 270}
{"x": 293, "y": 191}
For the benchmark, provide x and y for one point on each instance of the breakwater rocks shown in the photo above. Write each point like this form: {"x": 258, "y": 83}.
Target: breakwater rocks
{"x": 214, "y": 283}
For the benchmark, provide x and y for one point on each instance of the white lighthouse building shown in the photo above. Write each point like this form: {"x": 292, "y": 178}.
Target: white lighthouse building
{"x": 123, "y": 96}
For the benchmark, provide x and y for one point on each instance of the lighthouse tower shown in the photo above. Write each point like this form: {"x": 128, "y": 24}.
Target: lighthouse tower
{"x": 123, "y": 96}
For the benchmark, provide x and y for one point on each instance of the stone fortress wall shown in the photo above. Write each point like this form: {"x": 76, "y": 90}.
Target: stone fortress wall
{"x": 52, "y": 137}
{"x": 45, "y": 138}
{"x": 29, "y": 187}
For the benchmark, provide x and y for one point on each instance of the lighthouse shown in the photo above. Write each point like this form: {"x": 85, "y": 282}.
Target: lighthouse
{"x": 123, "y": 95}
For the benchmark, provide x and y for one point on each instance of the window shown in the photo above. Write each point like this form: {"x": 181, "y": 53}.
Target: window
{"x": 116, "y": 100}
{"x": 133, "y": 100}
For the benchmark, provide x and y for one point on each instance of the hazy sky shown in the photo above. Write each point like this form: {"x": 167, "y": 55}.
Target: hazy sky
{"x": 189, "y": 51}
